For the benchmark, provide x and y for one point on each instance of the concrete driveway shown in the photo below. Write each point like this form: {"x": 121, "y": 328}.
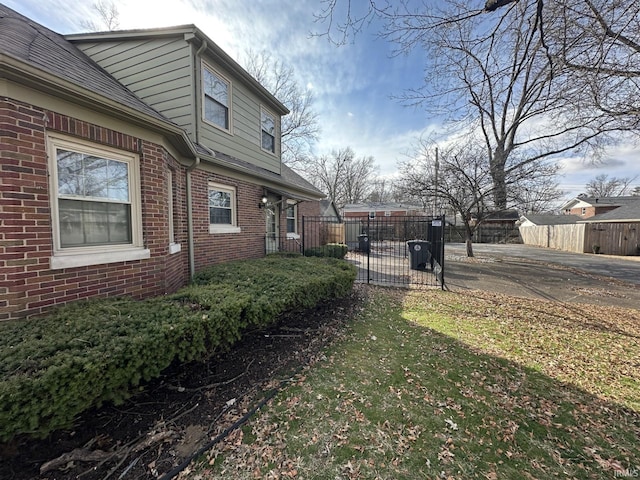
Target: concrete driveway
{"x": 543, "y": 273}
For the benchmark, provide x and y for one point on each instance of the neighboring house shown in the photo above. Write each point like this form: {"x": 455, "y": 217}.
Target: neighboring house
{"x": 378, "y": 210}
{"x": 130, "y": 160}
{"x": 329, "y": 210}
{"x": 608, "y": 226}
{"x": 587, "y": 207}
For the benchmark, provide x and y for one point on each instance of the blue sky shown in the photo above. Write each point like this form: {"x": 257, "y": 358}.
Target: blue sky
{"x": 353, "y": 84}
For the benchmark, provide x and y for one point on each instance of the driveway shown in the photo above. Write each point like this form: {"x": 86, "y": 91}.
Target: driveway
{"x": 529, "y": 271}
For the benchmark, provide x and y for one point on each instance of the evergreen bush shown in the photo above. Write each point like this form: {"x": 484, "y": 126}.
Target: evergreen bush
{"x": 86, "y": 353}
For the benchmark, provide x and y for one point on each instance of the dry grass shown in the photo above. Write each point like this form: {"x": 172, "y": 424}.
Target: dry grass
{"x": 430, "y": 384}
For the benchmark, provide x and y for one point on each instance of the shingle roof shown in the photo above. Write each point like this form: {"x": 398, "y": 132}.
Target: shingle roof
{"x": 628, "y": 212}
{"x": 288, "y": 178}
{"x": 553, "y": 219}
{"x": 46, "y": 50}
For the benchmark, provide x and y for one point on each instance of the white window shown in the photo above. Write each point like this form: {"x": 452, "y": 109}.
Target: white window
{"x": 222, "y": 209}
{"x": 292, "y": 221}
{"x": 217, "y": 98}
{"x": 268, "y": 130}
{"x": 95, "y": 204}
{"x": 372, "y": 214}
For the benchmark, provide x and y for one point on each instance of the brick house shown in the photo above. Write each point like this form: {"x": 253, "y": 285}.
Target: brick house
{"x": 587, "y": 207}
{"x": 124, "y": 174}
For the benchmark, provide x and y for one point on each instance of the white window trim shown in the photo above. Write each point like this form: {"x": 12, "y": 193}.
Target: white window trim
{"x": 292, "y": 235}
{"x": 174, "y": 247}
{"x": 276, "y": 134}
{"x": 223, "y": 227}
{"x": 95, "y": 255}
{"x": 229, "y": 130}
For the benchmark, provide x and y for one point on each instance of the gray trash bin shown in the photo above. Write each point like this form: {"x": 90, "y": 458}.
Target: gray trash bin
{"x": 419, "y": 254}
{"x": 363, "y": 243}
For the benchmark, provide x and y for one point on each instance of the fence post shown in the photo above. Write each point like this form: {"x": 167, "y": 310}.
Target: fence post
{"x": 369, "y": 249}
{"x": 304, "y": 233}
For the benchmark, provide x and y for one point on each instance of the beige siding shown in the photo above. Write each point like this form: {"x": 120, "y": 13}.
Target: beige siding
{"x": 159, "y": 71}
{"x": 244, "y": 142}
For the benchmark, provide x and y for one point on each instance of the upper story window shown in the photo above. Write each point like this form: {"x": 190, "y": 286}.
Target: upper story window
{"x": 268, "y": 129}
{"x": 96, "y": 205}
{"x": 222, "y": 209}
{"x": 217, "y": 98}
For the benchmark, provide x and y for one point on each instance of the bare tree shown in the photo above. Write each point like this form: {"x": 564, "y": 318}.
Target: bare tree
{"x": 605, "y": 186}
{"x": 458, "y": 175}
{"x": 108, "y": 15}
{"x": 300, "y": 128}
{"x": 497, "y": 72}
{"x": 342, "y": 176}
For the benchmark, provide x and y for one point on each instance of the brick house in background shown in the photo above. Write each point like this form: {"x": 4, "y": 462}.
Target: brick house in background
{"x": 378, "y": 210}
{"x": 129, "y": 160}
{"x": 587, "y": 207}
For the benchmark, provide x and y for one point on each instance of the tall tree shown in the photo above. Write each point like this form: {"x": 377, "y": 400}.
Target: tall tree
{"x": 108, "y": 15}
{"x": 300, "y": 128}
{"x": 342, "y": 176}
{"x": 496, "y": 71}
{"x": 605, "y": 186}
{"x": 458, "y": 175}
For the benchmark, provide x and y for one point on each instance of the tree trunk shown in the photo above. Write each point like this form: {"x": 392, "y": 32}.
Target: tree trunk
{"x": 468, "y": 239}
{"x": 497, "y": 164}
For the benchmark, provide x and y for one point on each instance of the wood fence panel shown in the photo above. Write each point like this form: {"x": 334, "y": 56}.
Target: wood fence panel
{"x": 613, "y": 238}
{"x": 569, "y": 238}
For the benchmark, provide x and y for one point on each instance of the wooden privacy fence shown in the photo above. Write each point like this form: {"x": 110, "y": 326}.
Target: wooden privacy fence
{"x": 610, "y": 238}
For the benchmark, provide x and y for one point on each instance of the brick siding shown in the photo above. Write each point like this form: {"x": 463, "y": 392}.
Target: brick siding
{"x": 27, "y": 284}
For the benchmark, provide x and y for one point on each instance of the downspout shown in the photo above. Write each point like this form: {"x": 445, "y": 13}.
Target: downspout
{"x": 196, "y": 163}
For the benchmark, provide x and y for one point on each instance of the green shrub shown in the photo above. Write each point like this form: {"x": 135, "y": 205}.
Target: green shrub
{"x": 87, "y": 353}
{"x": 332, "y": 250}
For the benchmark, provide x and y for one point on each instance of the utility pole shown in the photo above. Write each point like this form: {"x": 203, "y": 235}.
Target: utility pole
{"x": 435, "y": 198}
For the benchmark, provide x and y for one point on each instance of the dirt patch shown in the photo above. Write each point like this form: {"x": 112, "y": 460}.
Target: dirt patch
{"x": 537, "y": 279}
{"x": 176, "y": 414}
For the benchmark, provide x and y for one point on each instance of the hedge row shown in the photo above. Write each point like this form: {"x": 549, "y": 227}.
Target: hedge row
{"x": 334, "y": 250}
{"x": 83, "y": 354}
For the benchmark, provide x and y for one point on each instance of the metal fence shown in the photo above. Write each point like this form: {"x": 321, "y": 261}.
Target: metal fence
{"x": 397, "y": 250}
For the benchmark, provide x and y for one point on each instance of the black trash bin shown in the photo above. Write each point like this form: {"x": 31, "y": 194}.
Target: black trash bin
{"x": 419, "y": 254}
{"x": 363, "y": 243}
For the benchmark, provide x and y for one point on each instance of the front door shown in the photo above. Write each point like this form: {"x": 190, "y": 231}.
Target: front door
{"x": 273, "y": 223}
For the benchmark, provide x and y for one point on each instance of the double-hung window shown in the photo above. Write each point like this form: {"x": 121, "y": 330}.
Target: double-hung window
{"x": 292, "y": 221}
{"x": 222, "y": 209}
{"x": 268, "y": 130}
{"x": 217, "y": 98}
{"x": 95, "y": 204}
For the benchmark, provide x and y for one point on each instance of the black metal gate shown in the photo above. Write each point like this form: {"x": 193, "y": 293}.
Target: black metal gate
{"x": 395, "y": 250}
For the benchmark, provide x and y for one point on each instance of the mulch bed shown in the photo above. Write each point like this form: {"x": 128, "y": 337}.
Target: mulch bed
{"x": 175, "y": 415}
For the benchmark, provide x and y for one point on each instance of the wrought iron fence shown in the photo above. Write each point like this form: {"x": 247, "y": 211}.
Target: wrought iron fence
{"x": 387, "y": 250}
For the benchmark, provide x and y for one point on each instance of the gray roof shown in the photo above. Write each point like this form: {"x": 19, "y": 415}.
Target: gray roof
{"x": 37, "y": 46}
{"x": 287, "y": 179}
{"x": 553, "y": 219}
{"x": 628, "y": 212}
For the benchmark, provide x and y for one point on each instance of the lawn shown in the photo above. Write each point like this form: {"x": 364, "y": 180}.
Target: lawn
{"x": 432, "y": 384}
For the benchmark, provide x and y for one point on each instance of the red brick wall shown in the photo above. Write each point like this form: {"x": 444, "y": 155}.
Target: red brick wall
{"x": 212, "y": 248}
{"x": 591, "y": 211}
{"x": 27, "y": 285}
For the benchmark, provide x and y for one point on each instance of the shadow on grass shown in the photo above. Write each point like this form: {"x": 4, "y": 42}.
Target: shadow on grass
{"x": 395, "y": 399}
